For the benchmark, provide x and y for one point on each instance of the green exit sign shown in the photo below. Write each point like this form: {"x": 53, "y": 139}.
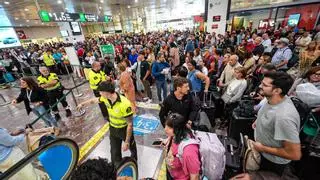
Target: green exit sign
{"x": 82, "y": 17}
{"x": 44, "y": 16}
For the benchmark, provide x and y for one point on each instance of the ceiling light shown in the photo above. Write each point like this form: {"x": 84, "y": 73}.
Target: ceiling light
{"x": 28, "y": 20}
{"x": 16, "y": 18}
{"x": 59, "y": 2}
{"x": 101, "y": 1}
{"x": 136, "y": 1}
{"x": 42, "y": 23}
{"x": 165, "y": 0}
{"x": 26, "y": 9}
{"x": 129, "y": 6}
{"x": 100, "y": 7}
{"x": 20, "y": 24}
{"x": 66, "y": 8}
{"x": 6, "y": 2}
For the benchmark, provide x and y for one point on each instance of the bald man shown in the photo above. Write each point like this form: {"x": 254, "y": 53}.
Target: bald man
{"x": 51, "y": 83}
{"x": 96, "y": 76}
{"x": 259, "y": 49}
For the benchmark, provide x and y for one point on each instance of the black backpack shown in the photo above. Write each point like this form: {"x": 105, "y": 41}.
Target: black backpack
{"x": 302, "y": 108}
{"x": 245, "y": 108}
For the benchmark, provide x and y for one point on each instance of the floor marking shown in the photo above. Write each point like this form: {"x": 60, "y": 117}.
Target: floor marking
{"x": 87, "y": 147}
{"x": 148, "y": 105}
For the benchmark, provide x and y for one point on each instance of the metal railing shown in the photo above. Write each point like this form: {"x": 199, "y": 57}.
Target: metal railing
{"x": 70, "y": 91}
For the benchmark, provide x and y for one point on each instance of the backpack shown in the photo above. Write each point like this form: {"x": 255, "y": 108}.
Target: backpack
{"x": 212, "y": 154}
{"x": 302, "y": 108}
{"x": 293, "y": 60}
{"x": 245, "y": 108}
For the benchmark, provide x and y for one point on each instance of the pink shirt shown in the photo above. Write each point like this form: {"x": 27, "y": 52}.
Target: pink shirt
{"x": 190, "y": 165}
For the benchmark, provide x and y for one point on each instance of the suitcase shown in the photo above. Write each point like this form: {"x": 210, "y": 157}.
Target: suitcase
{"x": 234, "y": 153}
{"x": 208, "y": 106}
{"x": 8, "y": 77}
{"x": 240, "y": 125}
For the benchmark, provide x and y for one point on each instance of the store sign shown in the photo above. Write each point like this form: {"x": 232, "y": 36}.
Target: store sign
{"x": 266, "y": 24}
{"x": 145, "y": 124}
{"x": 214, "y": 26}
{"x": 21, "y": 34}
{"x": 216, "y": 18}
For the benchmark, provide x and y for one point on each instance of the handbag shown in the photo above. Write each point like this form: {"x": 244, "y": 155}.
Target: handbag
{"x": 35, "y": 138}
{"x": 252, "y": 158}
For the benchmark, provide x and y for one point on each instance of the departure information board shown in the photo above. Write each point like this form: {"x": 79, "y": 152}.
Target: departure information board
{"x": 46, "y": 16}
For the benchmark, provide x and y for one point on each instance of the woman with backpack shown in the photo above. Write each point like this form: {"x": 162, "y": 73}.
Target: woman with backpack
{"x": 186, "y": 166}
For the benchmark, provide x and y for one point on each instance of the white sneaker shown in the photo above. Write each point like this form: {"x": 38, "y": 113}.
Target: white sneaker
{"x": 149, "y": 101}
{"x": 145, "y": 99}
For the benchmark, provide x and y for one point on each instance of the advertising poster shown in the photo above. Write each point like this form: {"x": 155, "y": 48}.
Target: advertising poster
{"x": 21, "y": 34}
{"x": 8, "y": 38}
{"x": 217, "y": 16}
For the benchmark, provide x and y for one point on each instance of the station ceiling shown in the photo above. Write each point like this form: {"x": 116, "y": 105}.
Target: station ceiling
{"x": 25, "y": 12}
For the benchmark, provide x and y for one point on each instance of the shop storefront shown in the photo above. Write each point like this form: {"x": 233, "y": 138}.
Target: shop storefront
{"x": 302, "y": 16}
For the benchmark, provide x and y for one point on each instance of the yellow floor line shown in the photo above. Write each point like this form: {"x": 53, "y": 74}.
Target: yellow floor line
{"x": 93, "y": 141}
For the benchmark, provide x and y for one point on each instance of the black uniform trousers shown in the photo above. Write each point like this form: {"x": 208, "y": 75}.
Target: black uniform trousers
{"x": 117, "y": 135}
{"x": 54, "y": 96}
{"x": 102, "y": 106}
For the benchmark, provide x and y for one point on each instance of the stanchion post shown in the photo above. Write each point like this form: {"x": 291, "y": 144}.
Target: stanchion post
{"x": 4, "y": 100}
{"x": 70, "y": 75}
{"x": 81, "y": 111}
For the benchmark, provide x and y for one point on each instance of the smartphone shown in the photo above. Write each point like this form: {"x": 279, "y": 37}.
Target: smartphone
{"x": 156, "y": 143}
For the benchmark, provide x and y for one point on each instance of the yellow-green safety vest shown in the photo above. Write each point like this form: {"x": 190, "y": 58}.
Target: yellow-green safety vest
{"x": 119, "y": 111}
{"x": 48, "y": 59}
{"x": 95, "y": 78}
{"x": 45, "y": 80}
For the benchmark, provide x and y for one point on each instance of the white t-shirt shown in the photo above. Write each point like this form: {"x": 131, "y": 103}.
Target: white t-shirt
{"x": 267, "y": 45}
{"x": 204, "y": 70}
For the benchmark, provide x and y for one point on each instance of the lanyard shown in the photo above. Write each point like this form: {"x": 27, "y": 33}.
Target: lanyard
{"x": 29, "y": 95}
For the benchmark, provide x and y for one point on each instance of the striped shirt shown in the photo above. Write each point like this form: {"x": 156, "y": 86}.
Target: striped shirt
{"x": 280, "y": 56}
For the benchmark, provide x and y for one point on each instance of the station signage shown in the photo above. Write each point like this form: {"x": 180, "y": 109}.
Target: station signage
{"x": 46, "y": 16}
{"x": 216, "y": 18}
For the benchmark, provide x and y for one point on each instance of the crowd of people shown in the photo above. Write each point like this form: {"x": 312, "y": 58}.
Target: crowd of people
{"x": 268, "y": 66}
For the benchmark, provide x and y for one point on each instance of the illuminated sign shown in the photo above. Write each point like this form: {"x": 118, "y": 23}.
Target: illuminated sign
{"x": 46, "y": 16}
{"x": 266, "y": 23}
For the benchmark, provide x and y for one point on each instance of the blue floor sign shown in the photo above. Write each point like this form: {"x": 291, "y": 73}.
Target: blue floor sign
{"x": 145, "y": 124}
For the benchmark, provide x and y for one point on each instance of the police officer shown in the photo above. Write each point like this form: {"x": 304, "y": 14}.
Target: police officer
{"x": 51, "y": 83}
{"x": 49, "y": 61}
{"x": 120, "y": 116}
{"x": 96, "y": 76}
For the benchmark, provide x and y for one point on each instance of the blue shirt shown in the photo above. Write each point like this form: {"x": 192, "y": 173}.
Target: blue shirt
{"x": 281, "y": 55}
{"x": 7, "y": 142}
{"x": 195, "y": 81}
{"x": 157, "y": 68}
{"x": 133, "y": 58}
{"x": 57, "y": 57}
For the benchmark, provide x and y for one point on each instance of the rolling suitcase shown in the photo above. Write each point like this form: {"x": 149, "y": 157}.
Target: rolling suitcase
{"x": 239, "y": 125}
{"x": 208, "y": 106}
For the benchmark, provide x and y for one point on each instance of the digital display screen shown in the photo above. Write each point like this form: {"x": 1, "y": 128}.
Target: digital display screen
{"x": 64, "y": 33}
{"x": 58, "y": 16}
{"x": 8, "y": 38}
{"x": 293, "y": 19}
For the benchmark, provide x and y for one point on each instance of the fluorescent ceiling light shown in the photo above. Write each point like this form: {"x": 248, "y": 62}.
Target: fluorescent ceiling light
{"x": 26, "y": 9}
{"x": 6, "y": 2}
{"x": 129, "y": 6}
{"x": 59, "y": 2}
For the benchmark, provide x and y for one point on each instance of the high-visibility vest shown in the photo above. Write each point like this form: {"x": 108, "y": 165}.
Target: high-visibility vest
{"x": 44, "y": 80}
{"x": 95, "y": 78}
{"x": 118, "y": 111}
{"x": 48, "y": 59}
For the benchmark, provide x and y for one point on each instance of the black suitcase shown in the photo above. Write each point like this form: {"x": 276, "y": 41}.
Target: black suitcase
{"x": 234, "y": 153}
{"x": 240, "y": 125}
{"x": 208, "y": 106}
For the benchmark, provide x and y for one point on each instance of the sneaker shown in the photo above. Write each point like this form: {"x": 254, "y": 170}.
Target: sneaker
{"x": 149, "y": 101}
{"x": 145, "y": 99}
{"x": 68, "y": 113}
